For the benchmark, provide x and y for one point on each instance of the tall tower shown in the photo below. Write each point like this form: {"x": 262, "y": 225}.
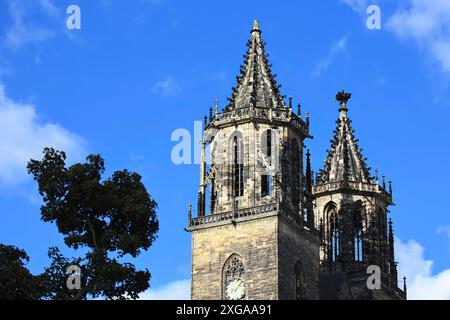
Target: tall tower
{"x": 254, "y": 237}
{"x": 352, "y": 212}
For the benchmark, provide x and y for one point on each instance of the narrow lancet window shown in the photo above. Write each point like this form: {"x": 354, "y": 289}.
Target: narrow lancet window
{"x": 238, "y": 168}
{"x": 358, "y": 234}
{"x": 333, "y": 234}
{"x": 266, "y": 185}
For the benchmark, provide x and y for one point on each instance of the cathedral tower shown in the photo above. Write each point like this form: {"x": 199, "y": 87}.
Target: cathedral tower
{"x": 352, "y": 212}
{"x": 254, "y": 235}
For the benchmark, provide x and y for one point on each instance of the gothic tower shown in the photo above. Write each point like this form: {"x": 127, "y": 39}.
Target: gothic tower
{"x": 352, "y": 212}
{"x": 254, "y": 235}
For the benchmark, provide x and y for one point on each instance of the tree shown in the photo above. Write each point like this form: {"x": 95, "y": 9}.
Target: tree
{"x": 110, "y": 219}
{"x": 16, "y": 281}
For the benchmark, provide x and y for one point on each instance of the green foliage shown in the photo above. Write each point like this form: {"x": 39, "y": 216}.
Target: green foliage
{"x": 108, "y": 219}
{"x": 16, "y": 281}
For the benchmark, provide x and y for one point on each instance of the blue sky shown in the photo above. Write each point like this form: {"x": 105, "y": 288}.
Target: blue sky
{"x": 139, "y": 69}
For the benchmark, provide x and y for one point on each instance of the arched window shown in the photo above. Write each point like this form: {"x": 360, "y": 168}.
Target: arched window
{"x": 213, "y": 194}
{"x": 238, "y": 167}
{"x": 295, "y": 174}
{"x": 300, "y": 282}
{"x": 358, "y": 232}
{"x": 234, "y": 286}
{"x": 266, "y": 145}
{"x": 266, "y": 185}
{"x": 267, "y": 153}
{"x": 333, "y": 233}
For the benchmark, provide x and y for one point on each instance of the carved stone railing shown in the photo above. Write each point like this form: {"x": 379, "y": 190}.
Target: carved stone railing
{"x": 231, "y": 215}
{"x": 354, "y": 186}
{"x": 260, "y": 113}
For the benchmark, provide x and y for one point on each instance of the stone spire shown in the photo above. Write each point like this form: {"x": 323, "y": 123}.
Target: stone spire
{"x": 256, "y": 85}
{"x": 308, "y": 191}
{"x": 345, "y": 161}
{"x": 392, "y": 263}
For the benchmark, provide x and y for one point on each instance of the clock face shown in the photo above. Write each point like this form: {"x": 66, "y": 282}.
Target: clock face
{"x": 235, "y": 290}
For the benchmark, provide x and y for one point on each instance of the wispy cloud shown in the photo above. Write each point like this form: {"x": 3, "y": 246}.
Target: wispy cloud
{"x": 34, "y": 22}
{"x": 22, "y": 31}
{"x": 23, "y": 137}
{"x": 445, "y": 230}
{"x": 177, "y": 290}
{"x": 49, "y": 8}
{"x": 422, "y": 283}
{"x": 167, "y": 87}
{"x": 427, "y": 23}
{"x": 358, "y": 6}
{"x": 323, "y": 65}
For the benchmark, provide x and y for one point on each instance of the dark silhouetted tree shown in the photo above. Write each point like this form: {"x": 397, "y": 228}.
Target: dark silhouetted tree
{"x": 108, "y": 219}
{"x": 16, "y": 281}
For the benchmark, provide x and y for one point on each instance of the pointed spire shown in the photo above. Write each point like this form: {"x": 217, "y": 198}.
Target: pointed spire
{"x": 390, "y": 188}
{"x": 299, "y": 110}
{"x": 308, "y": 177}
{"x": 404, "y": 285}
{"x": 189, "y": 213}
{"x": 255, "y": 29}
{"x": 345, "y": 159}
{"x": 216, "y": 107}
{"x": 392, "y": 263}
{"x": 202, "y": 189}
{"x": 290, "y": 102}
{"x": 308, "y": 191}
{"x": 384, "y": 181}
{"x": 256, "y": 85}
{"x": 211, "y": 114}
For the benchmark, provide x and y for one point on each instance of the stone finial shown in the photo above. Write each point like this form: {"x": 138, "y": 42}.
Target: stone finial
{"x": 299, "y": 110}
{"x": 255, "y": 29}
{"x": 211, "y": 114}
{"x": 189, "y": 213}
{"x": 342, "y": 97}
{"x": 404, "y": 285}
{"x": 216, "y": 107}
{"x": 290, "y": 102}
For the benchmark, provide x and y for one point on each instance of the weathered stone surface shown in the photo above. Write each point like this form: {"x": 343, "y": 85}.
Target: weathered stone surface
{"x": 270, "y": 248}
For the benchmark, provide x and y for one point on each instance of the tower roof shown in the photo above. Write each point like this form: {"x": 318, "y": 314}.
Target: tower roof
{"x": 345, "y": 161}
{"x": 256, "y": 85}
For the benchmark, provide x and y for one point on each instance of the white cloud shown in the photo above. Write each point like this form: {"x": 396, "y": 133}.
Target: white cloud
{"x": 444, "y": 230}
{"x": 49, "y": 8}
{"x": 427, "y": 23}
{"x": 177, "y": 290}
{"x": 167, "y": 87}
{"x": 23, "y": 137}
{"x": 22, "y": 31}
{"x": 357, "y": 5}
{"x": 323, "y": 65}
{"x": 422, "y": 283}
